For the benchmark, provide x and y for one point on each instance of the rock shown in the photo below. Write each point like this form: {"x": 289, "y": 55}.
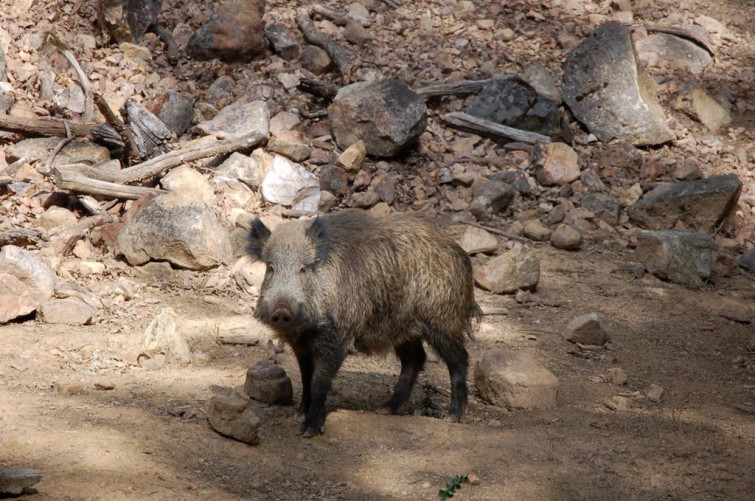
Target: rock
{"x": 177, "y": 112}
{"x": 364, "y": 199}
{"x": 283, "y": 42}
{"x": 586, "y": 329}
{"x": 490, "y": 197}
{"x": 181, "y": 230}
{"x": 631, "y": 195}
{"x": 700, "y": 106}
{"x": 328, "y": 201}
{"x": 238, "y": 120}
{"x": 186, "y": 182}
{"x": 672, "y": 51}
{"x": 387, "y": 115}
{"x": 555, "y": 164}
{"x": 333, "y": 179}
{"x": 291, "y": 145}
{"x": 534, "y": 229}
{"x": 249, "y": 170}
{"x": 111, "y": 16}
{"x": 608, "y": 92}
{"x": 617, "y": 376}
{"x": 55, "y": 217}
{"x": 290, "y": 184}
{"x": 688, "y": 170}
{"x": 232, "y": 416}
{"x": 514, "y": 102}
{"x": 515, "y": 381}
{"x": 39, "y": 149}
{"x": 15, "y": 481}
{"x": 352, "y": 159}
{"x": 163, "y": 342}
{"x": 268, "y": 383}
{"x": 355, "y": 33}
{"x": 283, "y": 121}
{"x": 476, "y": 241}
{"x": 604, "y": 207}
{"x": 509, "y": 272}
{"x": 541, "y": 79}
{"x": 682, "y": 256}
{"x": 701, "y": 205}
{"x": 747, "y": 261}
{"x": 26, "y": 281}
{"x": 155, "y": 270}
{"x": 235, "y": 33}
{"x": 566, "y": 237}
{"x": 69, "y": 311}
{"x": 315, "y": 60}
{"x": 654, "y": 392}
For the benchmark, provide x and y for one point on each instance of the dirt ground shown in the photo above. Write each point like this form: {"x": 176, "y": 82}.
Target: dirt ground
{"x": 148, "y": 438}
{"x": 75, "y": 405}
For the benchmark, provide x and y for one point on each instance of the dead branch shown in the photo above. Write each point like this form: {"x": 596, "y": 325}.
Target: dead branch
{"x": 86, "y": 86}
{"x": 69, "y": 179}
{"x": 43, "y": 126}
{"x": 344, "y": 61}
{"x": 130, "y": 150}
{"x": 317, "y": 88}
{"x": 461, "y": 88}
{"x": 497, "y": 232}
{"x": 477, "y": 125}
{"x": 151, "y": 169}
{"x": 337, "y": 16}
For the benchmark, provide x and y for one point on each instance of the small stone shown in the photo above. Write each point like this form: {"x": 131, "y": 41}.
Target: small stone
{"x": 515, "y": 380}
{"x": 290, "y": 144}
{"x": 490, "y": 197}
{"x": 235, "y": 32}
{"x": 283, "y": 42}
{"x": 477, "y": 240}
{"x": 187, "y": 182}
{"x": 364, "y": 199}
{"x": 509, "y": 272}
{"x": 328, "y": 201}
{"x": 55, "y": 217}
{"x": 231, "y": 415}
{"x": 238, "y": 120}
{"x": 163, "y": 342}
{"x": 534, "y": 229}
{"x": 355, "y": 33}
{"x": 333, "y": 179}
{"x": 16, "y": 481}
{"x": 747, "y": 261}
{"x": 619, "y": 403}
{"x": 352, "y": 159}
{"x": 68, "y": 388}
{"x": 566, "y": 237}
{"x": 617, "y": 376}
{"x": 69, "y": 311}
{"x": 654, "y": 393}
{"x": 604, "y": 207}
{"x": 555, "y": 164}
{"x": 689, "y": 170}
{"x": 268, "y": 383}
{"x": 315, "y": 60}
{"x": 586, "y": 329}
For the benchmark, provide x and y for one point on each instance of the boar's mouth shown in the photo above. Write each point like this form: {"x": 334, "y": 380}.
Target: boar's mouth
{"x": 284, "y": 317}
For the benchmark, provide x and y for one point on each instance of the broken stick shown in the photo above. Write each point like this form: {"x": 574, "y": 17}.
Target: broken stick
{"x": 477, "y": 125}
{"x": 344, "y": 61}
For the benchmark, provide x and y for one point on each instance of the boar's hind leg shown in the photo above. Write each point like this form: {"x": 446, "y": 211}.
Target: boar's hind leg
{"x": 412, "y": 356}
{"x": 326, "y": 365}
{"x": 451, "y": 349}
{"x": 306, "y": 368}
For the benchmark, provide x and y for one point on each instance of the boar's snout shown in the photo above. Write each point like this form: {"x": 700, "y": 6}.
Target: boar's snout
{"x": 281, "y": 318}
{"x": 280, "y": 314}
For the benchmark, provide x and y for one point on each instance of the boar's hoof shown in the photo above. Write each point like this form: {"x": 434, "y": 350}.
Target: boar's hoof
{"x": 310, "y": 431}
{"x": 453, "y": 418}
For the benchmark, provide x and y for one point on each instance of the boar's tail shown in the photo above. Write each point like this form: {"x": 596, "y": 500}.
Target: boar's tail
{"x": 474, "y": 317}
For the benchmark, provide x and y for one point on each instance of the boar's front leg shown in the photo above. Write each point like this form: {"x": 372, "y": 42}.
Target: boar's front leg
{"x": 328, "y": 357}
{"x": 306, "y": 362}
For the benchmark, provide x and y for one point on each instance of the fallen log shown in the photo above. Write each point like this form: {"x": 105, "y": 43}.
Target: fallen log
{"x": 43, "y": 126}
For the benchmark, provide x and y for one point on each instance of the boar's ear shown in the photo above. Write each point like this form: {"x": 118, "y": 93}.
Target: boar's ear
{"x": 318, "y": 235}
{"x": 258, "y": 235}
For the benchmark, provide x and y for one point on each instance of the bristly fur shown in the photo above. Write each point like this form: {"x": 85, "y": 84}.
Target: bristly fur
{"x": 258, "y": 235}
{"x": 318, "y": 235}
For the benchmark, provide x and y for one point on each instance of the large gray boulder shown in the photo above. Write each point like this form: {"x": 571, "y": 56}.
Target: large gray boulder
{"x": 387, "y": 115}
{"x": 701, "y": 205}
{"x": 183, "y": 231}
{"x": 609, "y": 93}
{"x": 681, "y": 256}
